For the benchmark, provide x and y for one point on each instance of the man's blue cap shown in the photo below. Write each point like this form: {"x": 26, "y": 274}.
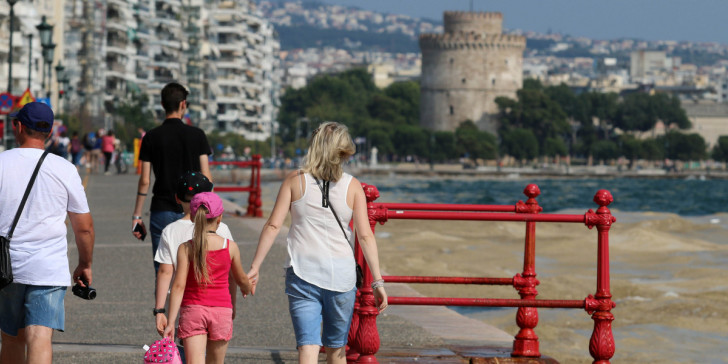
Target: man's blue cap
{"x": 33, "y": 113}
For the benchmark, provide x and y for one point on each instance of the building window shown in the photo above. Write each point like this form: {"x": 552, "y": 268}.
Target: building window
{"x": 452, "y": 60}
{"x": 463, "y": 80}
{"x": 492, "y": 82}
{"x": 452, "y": 110}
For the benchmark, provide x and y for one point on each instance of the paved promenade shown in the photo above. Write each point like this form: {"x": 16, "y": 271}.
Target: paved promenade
{"x": 114, "y": 327}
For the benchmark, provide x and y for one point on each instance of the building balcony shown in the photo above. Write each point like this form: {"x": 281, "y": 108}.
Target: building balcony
{"x": 174, "y": 44}
{"x": 166, "y": 65}
{"x": 117, "y": 48}
{"x": 230, "y": 47}
{"x": 171, "y": 22}
{"x": 230, "y": 65}
{"x": 229, "y": 99}
{"x": 228, "y": 81}
{"x": 227, "y": 29}
{"x": 116, "y": 24}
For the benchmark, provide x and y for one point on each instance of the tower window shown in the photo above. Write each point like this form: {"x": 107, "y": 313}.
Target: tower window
{"x": 452, "y": 60}
{"x": 463, "y": 80}
{"x": 492, "y": 82}
{"x": 452, "y": 110}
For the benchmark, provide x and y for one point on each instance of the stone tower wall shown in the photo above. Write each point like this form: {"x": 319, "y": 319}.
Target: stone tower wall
{"x": 464, "y": 71}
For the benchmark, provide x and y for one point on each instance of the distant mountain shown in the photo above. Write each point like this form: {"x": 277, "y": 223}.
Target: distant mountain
{"x": 311, "y": 24}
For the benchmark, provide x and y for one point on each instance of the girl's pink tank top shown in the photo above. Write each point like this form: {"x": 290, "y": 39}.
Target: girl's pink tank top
{"x": 215, "y": 293}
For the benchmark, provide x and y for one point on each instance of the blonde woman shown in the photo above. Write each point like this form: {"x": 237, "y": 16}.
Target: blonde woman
{"x": 320, "y": 270}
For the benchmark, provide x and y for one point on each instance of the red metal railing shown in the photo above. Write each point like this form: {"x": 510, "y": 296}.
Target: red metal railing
{"x": 254, "y": 199}
{"x": 363, "y": 335}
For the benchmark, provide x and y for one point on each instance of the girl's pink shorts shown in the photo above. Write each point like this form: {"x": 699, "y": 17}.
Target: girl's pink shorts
{"x": 215, "y": 322}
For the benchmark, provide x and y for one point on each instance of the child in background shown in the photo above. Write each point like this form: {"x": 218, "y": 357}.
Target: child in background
{"x": 174, "y": 235}
{"x": 200, "y": 290}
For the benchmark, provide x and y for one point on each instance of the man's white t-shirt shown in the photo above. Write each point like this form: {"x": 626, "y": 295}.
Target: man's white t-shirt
{"x": 38, "y": 248}
{"x": 177, "y": 233}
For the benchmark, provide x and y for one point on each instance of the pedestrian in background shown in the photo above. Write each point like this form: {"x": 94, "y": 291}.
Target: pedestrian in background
{"x": 321, "y": 270}
{"x": 107, "y": 147}
{"x": 33, "y": 305}
{"x": 76, "y": 149}
{"x": 170, "y": 150}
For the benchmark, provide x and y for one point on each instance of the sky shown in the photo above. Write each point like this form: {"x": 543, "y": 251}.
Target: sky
{"x": 688, "y": 20}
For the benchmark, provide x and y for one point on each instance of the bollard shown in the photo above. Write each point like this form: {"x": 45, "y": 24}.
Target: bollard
{"x": 526, "y": 342}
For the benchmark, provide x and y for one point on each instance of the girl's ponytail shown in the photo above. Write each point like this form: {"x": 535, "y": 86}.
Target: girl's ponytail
{"x": 199, "y": 246}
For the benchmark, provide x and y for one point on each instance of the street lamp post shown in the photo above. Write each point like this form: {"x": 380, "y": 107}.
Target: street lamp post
{"x": 46, "y": 41}
{"x": 48, "y": 59}
{"x": 60, "y": 76}
{"x": 30, "y": 57}
{"x": 6, "y": 126}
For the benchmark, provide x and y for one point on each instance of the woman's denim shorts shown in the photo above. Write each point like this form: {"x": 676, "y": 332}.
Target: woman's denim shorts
{"x": 23, "y": 305}
{"x": 311, "y": 305}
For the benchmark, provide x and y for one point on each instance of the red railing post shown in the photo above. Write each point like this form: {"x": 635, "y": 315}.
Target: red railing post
{"x": 367, "y": 335}
{"x": 352, "y": 353}
{"x": 258, "y": 191}
{"x": 526, "y": 342}
{"x": 601, "y": 344}
{"x": 254, "y": 199}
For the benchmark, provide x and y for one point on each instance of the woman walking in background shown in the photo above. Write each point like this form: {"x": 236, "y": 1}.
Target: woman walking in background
{"x": 320, "y": 270}
{"x": 107, "y": 147}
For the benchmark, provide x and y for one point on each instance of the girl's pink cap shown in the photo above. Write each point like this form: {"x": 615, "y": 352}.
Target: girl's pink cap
{"x": 210, "y": 200}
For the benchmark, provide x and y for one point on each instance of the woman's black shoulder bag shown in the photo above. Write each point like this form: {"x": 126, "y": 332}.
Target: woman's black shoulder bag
{"x": 6, "y": 269}
{"x": 325, "y": 203}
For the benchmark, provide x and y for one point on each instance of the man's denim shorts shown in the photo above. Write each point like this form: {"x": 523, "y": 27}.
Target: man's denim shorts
{"x": 309, "y": 305}
{"x": 24, "y": 305}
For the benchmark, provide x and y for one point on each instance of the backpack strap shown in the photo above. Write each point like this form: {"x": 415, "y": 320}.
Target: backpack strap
{"x": 25, "y": 196}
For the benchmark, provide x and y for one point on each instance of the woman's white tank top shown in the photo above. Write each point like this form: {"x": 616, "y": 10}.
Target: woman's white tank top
{"x": 317, "y": 249}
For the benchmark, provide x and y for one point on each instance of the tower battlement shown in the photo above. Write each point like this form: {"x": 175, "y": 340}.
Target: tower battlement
{"x": 480, "y": 22}
{"x": 471, "y": 40}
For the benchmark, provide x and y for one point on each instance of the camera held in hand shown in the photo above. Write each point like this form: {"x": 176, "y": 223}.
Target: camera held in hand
{"x": 86, "y": 293}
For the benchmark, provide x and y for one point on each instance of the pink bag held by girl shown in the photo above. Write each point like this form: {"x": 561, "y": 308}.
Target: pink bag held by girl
{"x": 162, "y": 351}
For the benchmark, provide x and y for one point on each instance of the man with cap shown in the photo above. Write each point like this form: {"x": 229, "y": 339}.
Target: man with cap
{"x": 169, "y": 150}
{"x": 33, "y": 305}
{"x": 176, "y": 234}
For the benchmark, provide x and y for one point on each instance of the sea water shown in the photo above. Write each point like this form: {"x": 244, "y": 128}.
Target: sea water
{"x": 690, "y": 197}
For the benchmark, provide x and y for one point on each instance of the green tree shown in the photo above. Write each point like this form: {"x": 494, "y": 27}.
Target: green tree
{"x": 636, "y": 113}
{"x": 535, "y": 111}
{"x": 410, "y": 140}
{"x": 475, "y": 143}
{"x": 720, "y": 150}
{"x": 605, "y": 150}
{"x": 444, "y": 147}
{"x": 520, "y": 144}
{"x": 684, "y": 147}
{"x": 408, "y": 94}
{"x": 134, "y": 113}
{"x": 652, "y": 149}
{"x": 555, "y": 146}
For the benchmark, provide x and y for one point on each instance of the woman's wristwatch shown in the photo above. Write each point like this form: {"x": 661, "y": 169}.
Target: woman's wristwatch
{"x": 378, "y": 283}
{"x": 158, "y": 311}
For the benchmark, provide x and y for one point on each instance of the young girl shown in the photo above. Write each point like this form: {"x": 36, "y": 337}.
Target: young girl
{"x": 200, "y": 290}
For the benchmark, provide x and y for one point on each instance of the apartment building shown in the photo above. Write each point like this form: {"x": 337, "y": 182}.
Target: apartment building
{"x": 223, "y": 51}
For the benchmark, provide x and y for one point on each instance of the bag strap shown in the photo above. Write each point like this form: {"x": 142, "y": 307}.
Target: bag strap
{"x": 325, "y": 203}
{"x": 25, "y": 196}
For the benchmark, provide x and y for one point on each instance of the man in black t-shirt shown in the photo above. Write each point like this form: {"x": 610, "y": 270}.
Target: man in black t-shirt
{"x": 170, "y": 149}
